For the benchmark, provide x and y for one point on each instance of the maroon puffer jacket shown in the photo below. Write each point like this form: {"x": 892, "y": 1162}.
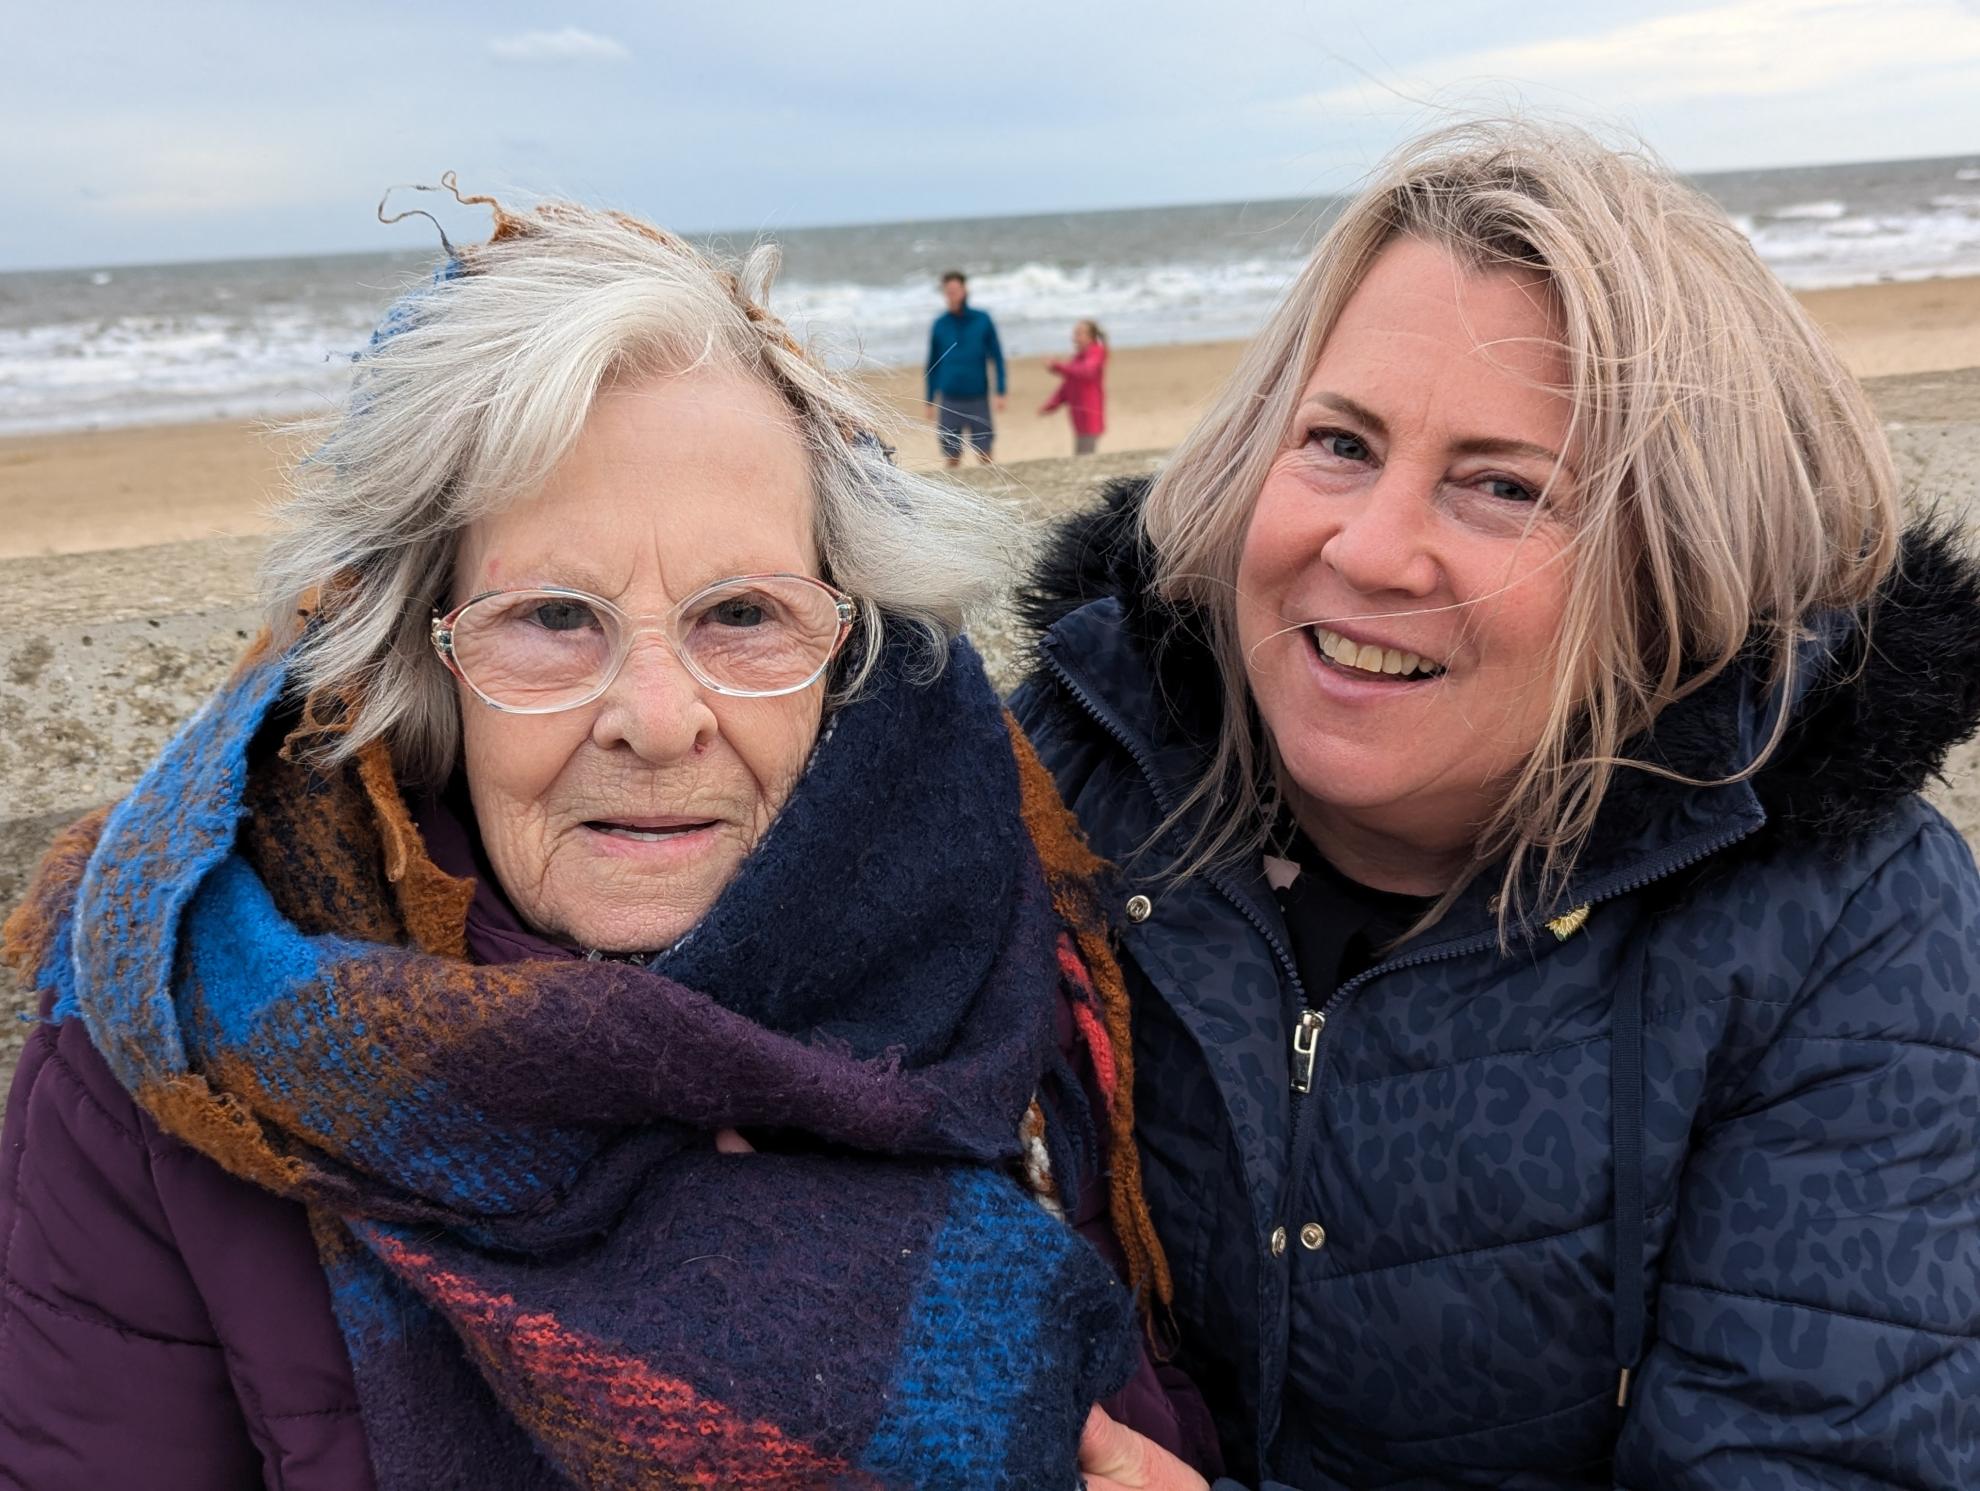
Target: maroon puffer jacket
{"x": 163, "y": 1325}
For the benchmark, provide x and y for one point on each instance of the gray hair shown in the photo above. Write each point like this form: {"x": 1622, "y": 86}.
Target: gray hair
{"x": 477, "y": 385}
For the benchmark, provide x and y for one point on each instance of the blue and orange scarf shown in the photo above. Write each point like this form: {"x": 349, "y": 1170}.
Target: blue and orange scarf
{"x": 544, "y": 1274}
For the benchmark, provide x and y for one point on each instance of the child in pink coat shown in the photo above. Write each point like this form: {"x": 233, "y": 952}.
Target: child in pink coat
{"x": 1081, "y": 387}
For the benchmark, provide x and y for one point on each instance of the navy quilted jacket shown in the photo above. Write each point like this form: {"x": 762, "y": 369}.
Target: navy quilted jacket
{"x": 1720, "y": 1133}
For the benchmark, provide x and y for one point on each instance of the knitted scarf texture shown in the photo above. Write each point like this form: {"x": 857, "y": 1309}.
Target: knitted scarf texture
{"x": 544, "y": 1274}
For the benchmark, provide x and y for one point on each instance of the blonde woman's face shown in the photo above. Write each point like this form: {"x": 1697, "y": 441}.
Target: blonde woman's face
{"x": 1400, "y": 593}
{"x": 618, "y": 823}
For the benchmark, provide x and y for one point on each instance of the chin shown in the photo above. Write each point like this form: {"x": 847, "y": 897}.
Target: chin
{"x": 634, "y": 906}
{"x": 622, "y": 920}
{"x": 1345, "y": 774}
{"x": 636, "y": 927}
{"x": 631, "y": 937}
{"x": 1370, "y": 799}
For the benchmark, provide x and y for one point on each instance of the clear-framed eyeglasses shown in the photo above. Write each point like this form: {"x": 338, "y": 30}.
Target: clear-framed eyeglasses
{"x": 538, "y": 651}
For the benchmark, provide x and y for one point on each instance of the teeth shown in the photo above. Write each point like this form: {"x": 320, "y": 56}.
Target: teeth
{"x": 1372, "y": 659}
{"x": 639, "y": 835}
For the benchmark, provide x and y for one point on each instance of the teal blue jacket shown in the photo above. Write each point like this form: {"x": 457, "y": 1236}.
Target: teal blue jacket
{"x": 960, "y": 346}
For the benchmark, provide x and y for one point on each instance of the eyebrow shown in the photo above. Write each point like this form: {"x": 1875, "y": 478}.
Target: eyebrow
{"x": 1478, "y": 445}
{"x": 579, "y": 574}
{"x": 568, "y": 575}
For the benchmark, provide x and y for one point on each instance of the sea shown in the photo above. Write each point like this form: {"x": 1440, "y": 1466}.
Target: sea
{"x": 134, "y": 344}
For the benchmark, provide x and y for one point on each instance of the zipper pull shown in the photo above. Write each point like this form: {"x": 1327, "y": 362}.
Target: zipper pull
{"x": 1306, "y": 1046}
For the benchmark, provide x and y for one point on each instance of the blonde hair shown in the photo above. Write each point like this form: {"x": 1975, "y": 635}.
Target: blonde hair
{"x": 476, "y": 386}
{"x": 1733, "y": 480}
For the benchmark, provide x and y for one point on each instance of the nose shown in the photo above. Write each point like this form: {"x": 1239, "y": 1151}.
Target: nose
{"x": 1384, "y": 542}
{"x": 655, "y": 707}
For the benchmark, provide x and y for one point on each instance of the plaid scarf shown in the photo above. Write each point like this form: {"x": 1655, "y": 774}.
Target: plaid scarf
{"x": 543, "y": 1272}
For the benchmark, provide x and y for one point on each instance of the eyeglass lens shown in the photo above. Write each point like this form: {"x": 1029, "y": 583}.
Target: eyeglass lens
{"x": 539, "y": 649}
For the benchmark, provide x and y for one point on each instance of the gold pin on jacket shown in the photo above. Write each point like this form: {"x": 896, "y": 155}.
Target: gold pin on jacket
{"x": 1568, "y": 923}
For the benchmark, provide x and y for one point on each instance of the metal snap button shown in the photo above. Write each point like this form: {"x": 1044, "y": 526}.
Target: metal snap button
{"x": 1139, "y": 908}
{"x": 1313, "y": 1237}
{"x": 1278, "y": 1241}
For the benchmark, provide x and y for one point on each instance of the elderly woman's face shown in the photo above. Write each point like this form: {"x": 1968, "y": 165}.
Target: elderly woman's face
{"x": 1398, "y": 601}
{"x": 618, "y": 823}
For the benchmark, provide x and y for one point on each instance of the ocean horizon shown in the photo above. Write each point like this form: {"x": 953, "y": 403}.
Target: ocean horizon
{"x": 98, "y": 347}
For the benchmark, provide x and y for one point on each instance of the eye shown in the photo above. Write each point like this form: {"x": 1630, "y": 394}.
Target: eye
{"x": 1341, "y": 445}
{"x": 1508, "y": 490}
{"x": 737, "y": 610}
{"x": 563, "y": 615}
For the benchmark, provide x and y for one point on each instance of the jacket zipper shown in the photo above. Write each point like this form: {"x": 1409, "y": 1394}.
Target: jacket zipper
{"x": 1306, "y": 1047}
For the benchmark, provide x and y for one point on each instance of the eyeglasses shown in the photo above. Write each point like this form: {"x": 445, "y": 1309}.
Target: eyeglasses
{"x": 539, "y": 651}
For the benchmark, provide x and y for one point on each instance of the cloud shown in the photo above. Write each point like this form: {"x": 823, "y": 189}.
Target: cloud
{"x": 567, "y": 45}
{"x": 1746, "y": 48}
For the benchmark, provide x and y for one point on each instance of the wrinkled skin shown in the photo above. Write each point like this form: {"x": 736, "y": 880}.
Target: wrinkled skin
{"x": 674, "y": 482}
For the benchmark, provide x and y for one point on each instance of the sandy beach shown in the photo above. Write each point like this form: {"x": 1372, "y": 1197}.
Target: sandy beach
{"x": 72, "y": 493}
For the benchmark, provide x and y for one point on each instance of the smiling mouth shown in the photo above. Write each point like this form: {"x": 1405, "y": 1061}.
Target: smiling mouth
{"x": 1369, "y": 661}
{"x": 648, "y": 833}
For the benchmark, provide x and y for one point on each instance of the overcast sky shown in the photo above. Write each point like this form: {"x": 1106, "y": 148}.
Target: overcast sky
{"x": 134, "y": 131}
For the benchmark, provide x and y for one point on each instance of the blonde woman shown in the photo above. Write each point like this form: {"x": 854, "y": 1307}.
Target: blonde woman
{"x": 1555, "y": 1009}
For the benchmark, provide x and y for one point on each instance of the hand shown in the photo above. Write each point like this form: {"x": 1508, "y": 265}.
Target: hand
{"x": 728, "y": 1141}
{"x": 1001, "y": 402}
{"x": 1113, "y": 1457}
{"x": 928, "y": 413}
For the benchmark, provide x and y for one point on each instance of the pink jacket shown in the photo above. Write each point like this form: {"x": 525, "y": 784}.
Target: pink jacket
{"x": 1081, "y": 390}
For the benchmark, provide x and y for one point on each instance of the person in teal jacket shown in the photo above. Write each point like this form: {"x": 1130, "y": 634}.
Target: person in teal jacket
{"x": 1556, "y": 1010}
{"x": 962, "y": 345}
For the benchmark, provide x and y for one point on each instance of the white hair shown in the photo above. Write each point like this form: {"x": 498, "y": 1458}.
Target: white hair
{"x": 477, "y": 385}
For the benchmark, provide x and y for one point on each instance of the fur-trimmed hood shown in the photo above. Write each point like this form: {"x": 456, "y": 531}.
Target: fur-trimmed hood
{"x": 1874, "y": 725}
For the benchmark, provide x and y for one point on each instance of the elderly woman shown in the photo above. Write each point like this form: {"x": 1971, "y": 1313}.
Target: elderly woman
{"x": 1557, "y": 1016}
{"x": 611, "y": 781}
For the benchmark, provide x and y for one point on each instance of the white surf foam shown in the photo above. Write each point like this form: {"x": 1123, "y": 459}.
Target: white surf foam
{"x": 103, "y": 347}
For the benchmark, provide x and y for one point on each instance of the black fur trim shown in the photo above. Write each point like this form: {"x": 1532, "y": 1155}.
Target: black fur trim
{"x": 1897, "y": 698}
{"x": 1090, "y": 556}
